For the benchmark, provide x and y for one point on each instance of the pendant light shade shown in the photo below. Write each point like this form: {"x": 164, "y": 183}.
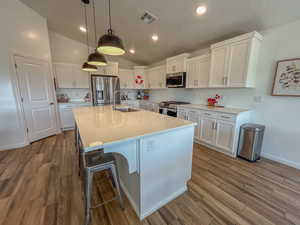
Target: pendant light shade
{"x": 97, "y": 59}
{"x": 88, "y": 68}
{"x": 110, "y": 44}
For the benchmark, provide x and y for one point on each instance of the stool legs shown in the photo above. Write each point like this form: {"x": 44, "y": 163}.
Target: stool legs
{"x": 117, "y": 183}
{"x": 88, "y": 195}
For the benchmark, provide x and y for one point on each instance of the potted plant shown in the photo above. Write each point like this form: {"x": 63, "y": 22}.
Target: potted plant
{"x": 213, "y": 101}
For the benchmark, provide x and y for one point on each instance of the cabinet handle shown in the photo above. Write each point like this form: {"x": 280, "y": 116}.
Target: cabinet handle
{"x": 226, "y": 117}
{"x": 216, "y": 125}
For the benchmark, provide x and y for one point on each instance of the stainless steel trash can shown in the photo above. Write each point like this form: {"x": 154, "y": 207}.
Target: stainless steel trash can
{"x": 250, "y": 141}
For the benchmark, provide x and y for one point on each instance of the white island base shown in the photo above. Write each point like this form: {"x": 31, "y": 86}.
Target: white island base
{"x": 162, "y": 170}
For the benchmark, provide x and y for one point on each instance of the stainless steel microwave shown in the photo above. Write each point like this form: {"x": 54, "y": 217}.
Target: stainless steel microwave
{"x": 176, "y": 80}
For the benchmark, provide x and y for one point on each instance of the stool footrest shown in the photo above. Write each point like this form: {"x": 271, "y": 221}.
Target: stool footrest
{"x": 103, "y": 203}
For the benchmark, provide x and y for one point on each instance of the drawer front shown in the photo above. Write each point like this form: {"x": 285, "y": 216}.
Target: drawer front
{"x": 209, "y": 114}
{"x": 227, "y": 117}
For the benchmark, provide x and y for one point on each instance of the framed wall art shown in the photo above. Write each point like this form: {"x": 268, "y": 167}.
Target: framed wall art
{"x": 287, "y": 78}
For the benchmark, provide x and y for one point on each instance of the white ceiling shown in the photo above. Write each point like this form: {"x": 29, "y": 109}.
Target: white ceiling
{"x": 178, "y": 26}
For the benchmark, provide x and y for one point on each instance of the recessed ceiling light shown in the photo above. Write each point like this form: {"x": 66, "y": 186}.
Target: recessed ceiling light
{"x": 83, "y": 29}
{"x": 154, "y": 37}
{"x": 132, "y": 51}
{"x": 201, "y": 10}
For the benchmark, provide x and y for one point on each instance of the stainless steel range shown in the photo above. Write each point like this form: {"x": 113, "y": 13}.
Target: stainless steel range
{"x": 170, "y": 107}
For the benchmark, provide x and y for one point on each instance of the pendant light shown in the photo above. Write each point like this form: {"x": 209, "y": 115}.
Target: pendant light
{"x": 96, "y": 58}
{"x": 110, "y": 44}
{"x": 87, "y": 67}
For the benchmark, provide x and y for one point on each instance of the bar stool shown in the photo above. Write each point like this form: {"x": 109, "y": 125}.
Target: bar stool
{"x": 93, "y": 162}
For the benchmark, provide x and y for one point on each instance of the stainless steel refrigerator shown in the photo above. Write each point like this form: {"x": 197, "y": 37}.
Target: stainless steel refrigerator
{"x": 105, "y": 89}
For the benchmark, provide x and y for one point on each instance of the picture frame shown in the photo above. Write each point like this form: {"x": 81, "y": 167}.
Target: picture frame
{"x": 287, "y": 78}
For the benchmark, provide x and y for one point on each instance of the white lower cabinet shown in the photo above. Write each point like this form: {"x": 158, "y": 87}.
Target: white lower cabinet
{"x": 224, "y": 135}
{"x": 66, "y": 114}
{"x": 194, "y": 116}
{"x": 216, "y": 130}
{"x": 182, "y": 114}
{"x": 207, "y": 133}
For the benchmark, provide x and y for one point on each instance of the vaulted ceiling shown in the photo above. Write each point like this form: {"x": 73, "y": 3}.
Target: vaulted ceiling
{"x": 179, "y": 28}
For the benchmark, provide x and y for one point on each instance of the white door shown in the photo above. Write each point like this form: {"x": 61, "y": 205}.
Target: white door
{"x": 194, "y": 116}
{"x": 238, "y": 63}
{"x": 36, "y": 89}
{"x": 225, "y": 135}
{"x": 218, "y": 69}
{"x": 207, "y": 132}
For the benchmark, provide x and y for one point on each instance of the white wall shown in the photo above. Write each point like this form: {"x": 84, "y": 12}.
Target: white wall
{"x": 66, "y": 50}
{"x": 24, "y": 32}
{"x": 279, "y": 114}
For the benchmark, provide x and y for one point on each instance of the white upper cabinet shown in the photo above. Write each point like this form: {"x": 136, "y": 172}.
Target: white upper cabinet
{"x": 234, "y": 61}
{"x": 111, "y": 69}
{"x": 157, "y": 77}
{"x": 70, "y": 76}
{"x": 198, "y": 70}
{"x": 126, "y": 78}
{"x": 218, "y": 69}
{"x": 177, "y": 63}
{"x": 140, "y": 77}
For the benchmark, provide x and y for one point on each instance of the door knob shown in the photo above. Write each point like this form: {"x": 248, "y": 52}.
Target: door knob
{"x": 51, "y": 103}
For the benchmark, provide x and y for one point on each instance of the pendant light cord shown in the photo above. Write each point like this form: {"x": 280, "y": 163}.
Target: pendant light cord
{"x": 109, "y": 14}
{"x": 95, "y": 28}
{"x": 87, "y": 30}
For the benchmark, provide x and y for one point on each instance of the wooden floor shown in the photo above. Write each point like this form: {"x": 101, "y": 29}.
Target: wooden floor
{"x": 39, "y": 185}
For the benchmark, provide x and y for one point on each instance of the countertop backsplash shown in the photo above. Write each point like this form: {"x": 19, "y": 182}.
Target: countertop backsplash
{"x": 73, "y": 93}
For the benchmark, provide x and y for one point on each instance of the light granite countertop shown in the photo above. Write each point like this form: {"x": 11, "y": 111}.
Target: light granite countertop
{"x": 215, "y": 109}
{"x": 101, "y": 125}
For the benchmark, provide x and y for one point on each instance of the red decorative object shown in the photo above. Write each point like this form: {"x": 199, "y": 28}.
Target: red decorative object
{"x": 214, "y": 100}
{"x": 139, "y": 80}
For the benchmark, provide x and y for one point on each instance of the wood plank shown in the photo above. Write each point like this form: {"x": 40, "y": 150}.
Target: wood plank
{"x": 39, "y": 184}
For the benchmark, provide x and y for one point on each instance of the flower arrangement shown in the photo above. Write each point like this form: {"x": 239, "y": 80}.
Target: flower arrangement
{"x": 213, "y": 101}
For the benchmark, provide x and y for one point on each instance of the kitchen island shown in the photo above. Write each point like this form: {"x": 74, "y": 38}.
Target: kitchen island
{"x": 153, "y": 152}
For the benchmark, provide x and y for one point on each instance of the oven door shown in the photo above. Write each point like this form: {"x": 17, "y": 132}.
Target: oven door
{"x": 176, "y": 80}
{"x": 172, "y": 112}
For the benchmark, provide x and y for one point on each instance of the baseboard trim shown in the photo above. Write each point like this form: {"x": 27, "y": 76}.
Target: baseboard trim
{"x": 13, "y": 146}
{"x": 134, "y": 206}
{"x": 281, "y": 160}
{"x": 164, "y": 202}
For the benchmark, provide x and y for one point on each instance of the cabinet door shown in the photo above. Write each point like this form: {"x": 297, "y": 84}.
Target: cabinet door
{"x": 112, "y": 69}
{"x": 238, "y": 63}
{"x": 207, "y": 132}
{"x": 82, "y": 78}
{"x": 218, "y": 68}
{"x": 192, "y": 71}
{"x": 126, "y": 79}
{"x": 182, "y": 114}
{"x": 194, "y": 116}
{"x": 66, "y": 117}
{"x": 198, "y": 70}
{"x": 161, "y": 77}
{"x": 225, "y": 135}
{"x": 64, "y": 76}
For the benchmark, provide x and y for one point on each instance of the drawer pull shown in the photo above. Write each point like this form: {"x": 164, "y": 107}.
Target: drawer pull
{"x": 226, "y": 117}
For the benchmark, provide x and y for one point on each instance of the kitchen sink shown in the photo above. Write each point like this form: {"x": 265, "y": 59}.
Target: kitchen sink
{"x": 126, "y": 109}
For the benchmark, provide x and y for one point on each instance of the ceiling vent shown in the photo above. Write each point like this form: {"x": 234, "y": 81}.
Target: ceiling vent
{"x": 148, "y": 18}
